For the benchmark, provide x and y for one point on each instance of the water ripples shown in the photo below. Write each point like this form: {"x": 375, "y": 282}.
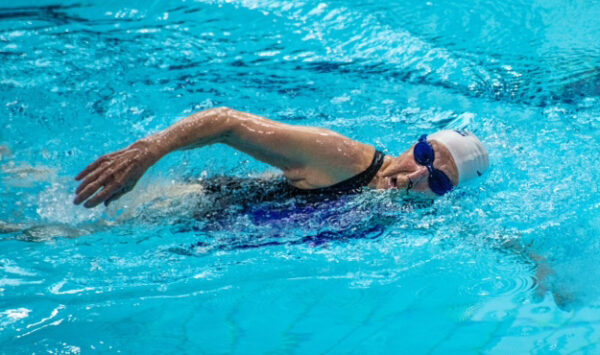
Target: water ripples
{"x": 79, "y": 80}
{"x": 375, "y": 50}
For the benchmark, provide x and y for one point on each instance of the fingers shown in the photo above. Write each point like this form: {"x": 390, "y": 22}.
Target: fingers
{"x": 90, "y": 178}
{"x": 98, "y": 179}
{"x": 89, "y": 190}
{"x": 106, "y": 192}
{"x": 90, "y": 168}
{"x": 110, "y": 193}
{"x": 117, "y": 195}
{"x": 95, "y": 165}
{"x": 100, "y": 174}
{"x": 110, "y": 177}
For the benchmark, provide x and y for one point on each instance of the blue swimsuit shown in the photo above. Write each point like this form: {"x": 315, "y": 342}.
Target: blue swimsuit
{"x": 275, "y": 201}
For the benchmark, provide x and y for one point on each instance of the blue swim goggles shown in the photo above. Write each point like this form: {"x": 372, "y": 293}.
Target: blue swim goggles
{"x": 439, "y": 182}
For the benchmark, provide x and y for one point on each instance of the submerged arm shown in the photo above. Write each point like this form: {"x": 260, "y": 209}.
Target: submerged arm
{"x": 309, "y": 157}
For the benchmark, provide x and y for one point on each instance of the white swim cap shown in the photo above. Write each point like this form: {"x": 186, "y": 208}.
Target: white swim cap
{"x": 469, "y": 154}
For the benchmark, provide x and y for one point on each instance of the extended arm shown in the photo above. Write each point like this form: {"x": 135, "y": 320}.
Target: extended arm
{"x": 309, "y": 157}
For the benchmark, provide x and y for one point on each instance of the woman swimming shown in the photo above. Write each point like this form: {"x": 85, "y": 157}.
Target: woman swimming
{"x": 313, "y": 160}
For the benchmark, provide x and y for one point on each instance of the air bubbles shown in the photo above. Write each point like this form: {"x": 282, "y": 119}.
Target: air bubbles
{"x": 11, "y": 316}
{"x": 268, "y": 53}
{"x": 340, "y": 99}
{"x": 54, "y": 206}
{"x": 125, "y": 13}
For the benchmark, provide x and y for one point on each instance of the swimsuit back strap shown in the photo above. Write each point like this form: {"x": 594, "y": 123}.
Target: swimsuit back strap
{"x": 355, "y": 183}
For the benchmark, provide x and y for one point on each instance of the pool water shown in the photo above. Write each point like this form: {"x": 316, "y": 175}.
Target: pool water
{"x": 509, "y": 264}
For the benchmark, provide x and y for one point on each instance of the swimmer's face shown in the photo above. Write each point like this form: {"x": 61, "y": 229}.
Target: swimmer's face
{"x": 403, "y": 169}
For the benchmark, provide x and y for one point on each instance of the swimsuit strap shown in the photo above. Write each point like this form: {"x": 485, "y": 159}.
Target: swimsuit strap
{"x": 353, "y": 184}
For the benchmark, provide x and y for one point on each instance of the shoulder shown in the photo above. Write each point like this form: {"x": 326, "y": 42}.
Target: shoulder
{"x": 330, "y": 170}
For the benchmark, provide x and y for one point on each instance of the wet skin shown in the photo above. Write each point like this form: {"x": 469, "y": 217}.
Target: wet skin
{"x": 309, "y": 157}
{"x": 403, "y": 171}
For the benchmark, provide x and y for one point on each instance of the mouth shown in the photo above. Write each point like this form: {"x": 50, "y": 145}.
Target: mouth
{"x": 393, "y": 183}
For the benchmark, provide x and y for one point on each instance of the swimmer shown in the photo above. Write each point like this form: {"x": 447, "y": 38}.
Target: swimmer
{"x": 313, "y": 160}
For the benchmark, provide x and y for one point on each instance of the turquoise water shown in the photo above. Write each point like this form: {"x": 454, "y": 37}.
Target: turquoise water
{"x": 506, "y": 265}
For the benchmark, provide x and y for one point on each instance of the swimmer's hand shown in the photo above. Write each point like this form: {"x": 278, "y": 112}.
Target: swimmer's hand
{"x": 314, "y": 157}
{"x": 115, "y": 173}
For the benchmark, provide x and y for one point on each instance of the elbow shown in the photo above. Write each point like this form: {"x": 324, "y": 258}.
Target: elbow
{"x": 227, "y": 120}
{"x": 222, "y": 111}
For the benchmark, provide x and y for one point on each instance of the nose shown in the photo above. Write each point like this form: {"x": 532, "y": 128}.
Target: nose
{"x": 420, "y": 174}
